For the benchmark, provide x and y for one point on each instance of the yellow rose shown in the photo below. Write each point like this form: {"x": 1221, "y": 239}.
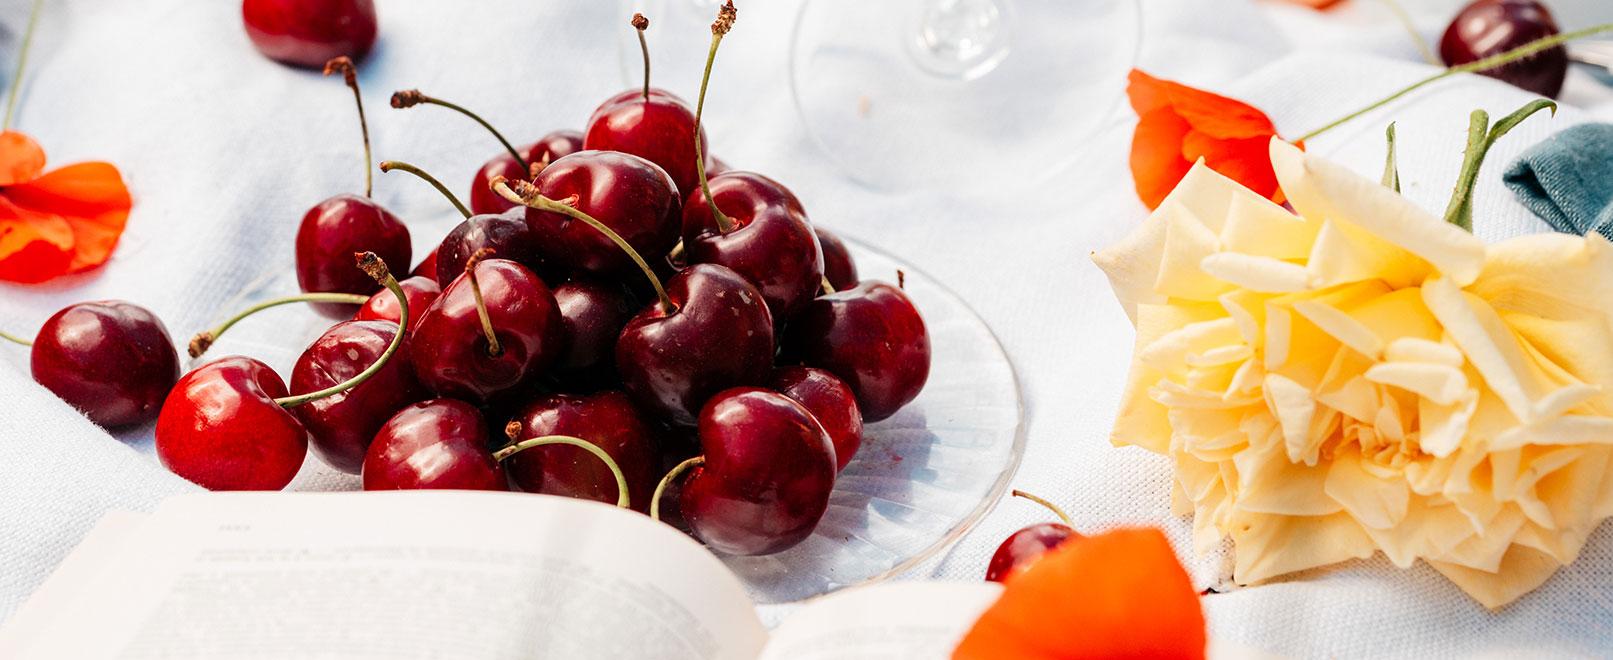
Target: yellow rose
{"x": 1366, "y": 377}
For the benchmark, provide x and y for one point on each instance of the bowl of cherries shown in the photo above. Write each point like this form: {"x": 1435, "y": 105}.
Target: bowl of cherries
{"x": 615, "y": 316}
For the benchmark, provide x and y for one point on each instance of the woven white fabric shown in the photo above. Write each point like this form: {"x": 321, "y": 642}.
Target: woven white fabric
{"x": 224, "y": 150}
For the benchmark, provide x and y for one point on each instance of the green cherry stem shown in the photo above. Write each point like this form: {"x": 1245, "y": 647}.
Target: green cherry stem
{"x": 1054, "y": 507}
{"x": 344, "y": 66}
{"x": 22, "y": 60}
{"x": 204, "y": 340}
{"x": 389, "y": 165}
{"x": 412, "y": 97}
{"x": 513, "y": 430}
{"x": 725, "y": 22}
{"x": 15, "y": 340}
{"x": 527, "y": 194}
{"x": 660, "y": 488}
{"x": 640, "y": 23}
{"x": 827, "y": 287}
{"x": 376, "y": 268}
{"x": 493, "y": 348}
{"x": 1477, "y": 65}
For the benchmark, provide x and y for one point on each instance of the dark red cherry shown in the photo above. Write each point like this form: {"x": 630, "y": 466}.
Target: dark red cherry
{"x": 720, "y": 336}
{"x": 1492, "y": 27}
{"x": 221, "y": 428}
{"x": 829, "y": 400}
{"x": 837, "y": 263}
{"x": 308, "y": 33}
{"x": 427, "y": 267}
{"x": 870, "y": 336}
{"x": 767, "y": 475}
{"x": 607, "y": 419}
{"x": 660, "y": 128}
{"x": 332, "y": 232}
{"x": 594, "y": 313}
{"x": 771, "y": 243}
{"x": 441, "y": 443}
{"x": 550, "y": 148}
{"x": 506, "y": 234}
{"x": 630, "y": 195}
{"x": 1026, "y": 546}
{"x": 383, "y": 306}
{"x": 341, "y": 426}
{"x": 112, "y": 360}
{"x": 451, "y": 352}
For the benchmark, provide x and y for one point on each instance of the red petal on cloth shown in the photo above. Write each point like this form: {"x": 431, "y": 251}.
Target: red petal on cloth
{"x": 21, "y": 158}
{"x": 34, "y": 246}
{"x": 1177, "y": 125}
{"x": 93, "y": 200}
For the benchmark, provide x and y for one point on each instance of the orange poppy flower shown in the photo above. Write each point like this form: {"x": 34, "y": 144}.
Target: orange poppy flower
{"x": 1177, "y": 125}
{"x": 1117, "y": 595}
{"x": 55, "y": 223}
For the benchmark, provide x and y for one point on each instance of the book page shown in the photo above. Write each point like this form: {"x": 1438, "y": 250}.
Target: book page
{"x": 401, "y": 575}
{"x": 891, "y": 621}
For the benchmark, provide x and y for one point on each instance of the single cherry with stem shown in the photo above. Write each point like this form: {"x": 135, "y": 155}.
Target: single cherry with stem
{"x": 513, "y": 430}
{"x": 506, "y": 234}
{"x": 344, "y": 224}
{"x": 870, "y": 336}
{"x": 1490, "y": 27}
{"x": 436, "y": 444}
{"x": 111, "y": 360}
{"x": 829, "y": 400}
{"x": 341, "y": 426}
{"x": 226, "y": 425}
{"x": 609, "y": 421}
{"x": 1027, "y": 545}
{"x": 308, "y": 33}
{"x": 630, "y": 195}
{"x": 763, "y": 479}
{"x": 420, "y": 291}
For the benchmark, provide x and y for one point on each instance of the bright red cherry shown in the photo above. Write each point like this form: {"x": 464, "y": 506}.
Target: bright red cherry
{"x": 766, "y": 477}
{"x": 308, "y": 33}
{"x": 594, "y": 313}
{"x": 609, "y": 421}
{"x": 441, "y": 443}
{"x": 1491, "y": 27}
{"x": 1025, "y": 546}
{"x": 221, "y": 428}
{"x": 475, "y": 346}
{"x": 506, "y": 234}
{"x": 341, "y": 426}
{"x": 837, "y": 264}
{"x": 659, "y": 128}
{"x": 383, "y": 306}
{"x": 548, "y": 149}
{"x": 765, "y": 237}
{"x": 112, "y": 360}
{"x": 829, "y": 400}
{"x": 718, "y": 335}
{"x": 870, "y": 336}
{"x": 628, "y": 194}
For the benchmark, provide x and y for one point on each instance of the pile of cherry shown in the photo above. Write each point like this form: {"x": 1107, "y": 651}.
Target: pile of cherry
{"x": 605, "y": 312}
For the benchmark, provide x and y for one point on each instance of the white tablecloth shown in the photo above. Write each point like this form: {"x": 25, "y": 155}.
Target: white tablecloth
{"x": 224, "y": 150}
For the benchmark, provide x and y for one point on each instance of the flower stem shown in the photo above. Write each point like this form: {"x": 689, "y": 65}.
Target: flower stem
{"x": 1477, "y": 65}
{"x": 344, "y": 66}
{"x": 1054, "y": 507}
{"x": 413, "y": 97}
{"x": 640, "y": 23}
{"x": 622, "y": 498}
{"x": 204, "y": 340}
{"x": 725, "y": 22}
{"x": 530, "y": 197}
{"x": 1391, "y": 169}
{"x": 493, "y": 349}
{"x": 376, "y": 268}
{"x": 1411, "y": 29}
{"x": 660, "y": 488}
{"x": 15, "y": 340}
{"x": 22, "y": 60}
{"x": 1479, "y": 141}
{"x": 389, "y": 165}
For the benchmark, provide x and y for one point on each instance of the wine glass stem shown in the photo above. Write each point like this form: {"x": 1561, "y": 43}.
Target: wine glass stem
{"x": 961, "y": 39}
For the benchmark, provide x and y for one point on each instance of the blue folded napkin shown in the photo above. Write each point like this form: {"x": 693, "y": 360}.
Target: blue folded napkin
{"x": 1567, "y": 180}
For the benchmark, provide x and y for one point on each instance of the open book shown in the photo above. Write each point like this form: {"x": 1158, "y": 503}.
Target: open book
{"x": 420, "y": 574}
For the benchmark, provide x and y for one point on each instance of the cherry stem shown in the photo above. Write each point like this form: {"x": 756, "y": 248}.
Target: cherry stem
{"x": 389, "y": 165}
{"x": 530, "y": 197}
{"x": 15, "y": 340}
{"x": 827, "y": 287}
{"x": 641, "y": 24}
{"x": 725, "y": 22}
{"x": 204, "y": 340}
{"x": 514, "y": 431}
{"x": 344, "y": 66}
{"x": 412, "y": 97}
{"x": 1477, "y": 65}
{"x": 493, "y": 349}
{"x": 376, "y": 268}
{"x": 660, "y": 488}
{"x": 22, "y": 59}
{"x": 1054, "y": 507}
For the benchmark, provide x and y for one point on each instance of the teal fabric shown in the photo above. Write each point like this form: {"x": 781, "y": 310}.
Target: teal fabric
{"x": 1567, "y": 180}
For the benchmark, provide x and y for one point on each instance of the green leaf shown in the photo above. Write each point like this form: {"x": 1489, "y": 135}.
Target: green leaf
{"x": 1508, "y": 122}
{"x": 1391, "y": 171}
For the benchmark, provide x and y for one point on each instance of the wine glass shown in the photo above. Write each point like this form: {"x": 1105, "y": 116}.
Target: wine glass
{"x": 938, "y": 94}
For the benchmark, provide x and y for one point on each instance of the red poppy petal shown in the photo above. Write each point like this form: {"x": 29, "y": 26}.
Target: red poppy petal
{"x": 93, "y": 200}
{"x": 34, "y": 246}
{"x": 1157, "y": 164}
{"x": 21, "y": 158}
{"x": 1146, "y": 92}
